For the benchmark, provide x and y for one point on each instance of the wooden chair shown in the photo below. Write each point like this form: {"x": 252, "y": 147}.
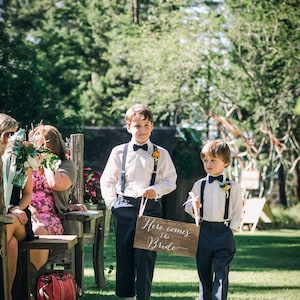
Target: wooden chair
{"x": 79, "y": 223}
{"x": 75, "y": 225}
{"x": 4, "y": 220}
{"x": 23, "y": 283}
{"x": 67, "y": 254}
{"x": 83, "y": 220}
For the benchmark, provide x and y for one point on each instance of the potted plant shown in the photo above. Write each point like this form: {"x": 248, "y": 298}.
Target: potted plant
{"x": 92, "y": 192}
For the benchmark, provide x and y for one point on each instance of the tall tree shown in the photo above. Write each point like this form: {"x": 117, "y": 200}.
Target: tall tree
{"x": 265, "y": 45}
{"x": 70, "y": 39}
{"x": 23, "y": 91}
{"x": 175, "y": 57}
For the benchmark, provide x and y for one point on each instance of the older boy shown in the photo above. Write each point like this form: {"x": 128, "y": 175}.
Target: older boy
{"x": 135, "y": 170}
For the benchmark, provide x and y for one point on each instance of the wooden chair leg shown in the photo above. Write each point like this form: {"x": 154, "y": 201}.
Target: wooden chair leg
{"x": 22, "y": 283}
{"x": 98, "y": 253}
{"x": 4, "y": 293}
{"x": 79, "y": 265}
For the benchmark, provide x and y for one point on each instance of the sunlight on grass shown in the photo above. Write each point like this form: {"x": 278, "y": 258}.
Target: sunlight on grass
{"x": 266, "y": 267}
{"x": 266, "y": 279}
{"x": 88, "y": 272}
{"x": 167, "y": 275}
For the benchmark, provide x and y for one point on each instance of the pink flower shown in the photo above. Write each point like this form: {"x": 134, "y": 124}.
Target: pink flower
{"x": 92, "y": 191}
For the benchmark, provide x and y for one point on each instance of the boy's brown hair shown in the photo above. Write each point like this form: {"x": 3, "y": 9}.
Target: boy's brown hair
{"x": 138, "y": 109}
{"x": 217, "y": 149}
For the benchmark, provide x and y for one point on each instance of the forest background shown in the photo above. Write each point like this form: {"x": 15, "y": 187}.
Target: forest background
{"x": 231, "y": 65}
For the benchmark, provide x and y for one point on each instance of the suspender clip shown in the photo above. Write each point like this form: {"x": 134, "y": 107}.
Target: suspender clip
{"x": 227, "y": 222}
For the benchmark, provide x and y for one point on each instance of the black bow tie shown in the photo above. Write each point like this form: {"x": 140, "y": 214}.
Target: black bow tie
{"x": 213, "y": 178}
{"x": 144, "y": 147}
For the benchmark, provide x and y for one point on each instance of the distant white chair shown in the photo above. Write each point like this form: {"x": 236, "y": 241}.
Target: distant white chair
{"x": 252, "y": 211}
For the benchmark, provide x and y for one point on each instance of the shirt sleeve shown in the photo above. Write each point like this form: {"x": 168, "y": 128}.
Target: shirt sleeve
{"x": 236, "y": 206}
{"x": 68, "y": 167}
{"x": 110, "y": 177}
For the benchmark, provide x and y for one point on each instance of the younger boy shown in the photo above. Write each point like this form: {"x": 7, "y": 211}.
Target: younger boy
{"x": 135, "y": 170}
{"x": 220, "y": 203}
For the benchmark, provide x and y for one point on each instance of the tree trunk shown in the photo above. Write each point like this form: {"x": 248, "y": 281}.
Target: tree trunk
{"x": 296, "y": 181}
{"x": 135, "y": 11}
{"x": 281, "y": 182}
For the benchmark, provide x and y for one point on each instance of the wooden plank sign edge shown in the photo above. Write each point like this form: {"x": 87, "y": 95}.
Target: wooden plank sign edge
{"x": 156, "y": 234}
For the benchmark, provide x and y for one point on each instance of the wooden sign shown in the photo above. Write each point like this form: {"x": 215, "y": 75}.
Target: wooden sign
{"x": 168, "y": 236}
{"x": 250, "y": 179}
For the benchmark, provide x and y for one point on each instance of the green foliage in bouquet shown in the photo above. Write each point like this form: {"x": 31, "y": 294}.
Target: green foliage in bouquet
{"x": 51, "y": 161}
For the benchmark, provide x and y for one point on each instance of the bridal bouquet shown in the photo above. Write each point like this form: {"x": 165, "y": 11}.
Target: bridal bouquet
{"x": 23, "y": 155}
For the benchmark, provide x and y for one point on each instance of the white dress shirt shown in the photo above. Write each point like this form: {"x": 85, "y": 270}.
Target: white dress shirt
{"x": 138, "y": 171}
{"x": 214, "y": 202}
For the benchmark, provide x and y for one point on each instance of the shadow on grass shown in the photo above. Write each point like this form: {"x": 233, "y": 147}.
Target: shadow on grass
{"x": 256, "y": 253}
{"x": 265, "y": 252}
{"x": 169, "y": 261}
{"x": 161, "y": 291}
{"x": 235, "y": 288}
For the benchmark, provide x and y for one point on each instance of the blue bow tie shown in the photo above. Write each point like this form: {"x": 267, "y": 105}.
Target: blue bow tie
{"x": 144, "y": 147}
{"x": 213, "y": 178}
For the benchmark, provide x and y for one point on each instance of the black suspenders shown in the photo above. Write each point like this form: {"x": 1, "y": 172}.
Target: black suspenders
{"x": 202, "y": 198}
{"x": 153, "y": 176}
{"x": 226, "y": 212}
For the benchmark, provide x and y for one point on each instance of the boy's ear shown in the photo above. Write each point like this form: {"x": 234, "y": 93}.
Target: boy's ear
{"x": 128, "y": 127}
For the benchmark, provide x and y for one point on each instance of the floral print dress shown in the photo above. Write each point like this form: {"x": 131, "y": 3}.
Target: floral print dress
{"x": 43, "y": 202}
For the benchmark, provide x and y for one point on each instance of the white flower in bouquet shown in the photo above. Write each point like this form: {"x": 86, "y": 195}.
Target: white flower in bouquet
{"x": 32, "y": 162}
{"x": 26, "y": 156}
{"x": 19, "y": 155}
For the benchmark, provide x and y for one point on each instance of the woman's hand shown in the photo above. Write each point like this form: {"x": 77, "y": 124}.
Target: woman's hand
{"x": 35, "y": 217}
{"x": 77, "y": 207}
{"x": 20, "y": 214}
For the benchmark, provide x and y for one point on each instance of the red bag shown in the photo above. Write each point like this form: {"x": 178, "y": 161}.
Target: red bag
{"x": 57, "y": 285}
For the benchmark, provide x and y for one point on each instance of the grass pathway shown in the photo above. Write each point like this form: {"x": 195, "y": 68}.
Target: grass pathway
{"x": 266, "y": 267}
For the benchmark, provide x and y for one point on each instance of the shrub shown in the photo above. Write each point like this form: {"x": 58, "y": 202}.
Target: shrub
{"x": 92, "y": 191}
{"x": 287, "y": 217}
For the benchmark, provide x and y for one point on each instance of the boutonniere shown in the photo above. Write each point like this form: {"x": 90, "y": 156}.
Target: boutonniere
{"x": 225, "y": 186}
{"x": 155, "y": 155}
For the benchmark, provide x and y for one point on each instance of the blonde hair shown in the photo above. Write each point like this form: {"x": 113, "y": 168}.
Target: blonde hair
{"x": 216, "y": 149}
{"x": 7, "y": 124}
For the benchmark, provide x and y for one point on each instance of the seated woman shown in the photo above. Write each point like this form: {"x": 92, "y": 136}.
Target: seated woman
{"x": 17, "y": 199}
{"x": 52, "y": 185}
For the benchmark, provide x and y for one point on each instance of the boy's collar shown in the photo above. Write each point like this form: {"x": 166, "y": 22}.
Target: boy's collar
{"x": 133, "y": 141}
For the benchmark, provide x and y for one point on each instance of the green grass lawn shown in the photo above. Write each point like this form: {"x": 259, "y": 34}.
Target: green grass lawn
{"x": 266, "y": 267}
